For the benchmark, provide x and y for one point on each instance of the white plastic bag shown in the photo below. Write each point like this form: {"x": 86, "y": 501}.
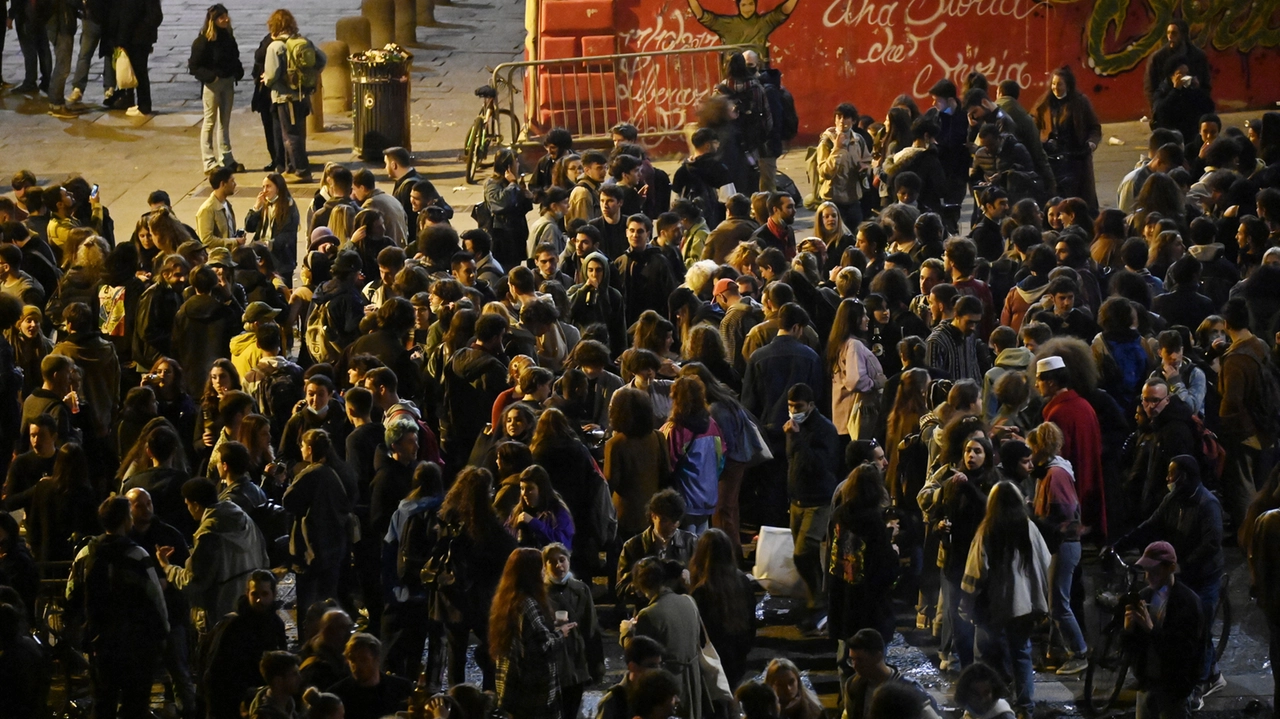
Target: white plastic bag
{"x": 775, "y": 569}
{"x": 125, "y": 79}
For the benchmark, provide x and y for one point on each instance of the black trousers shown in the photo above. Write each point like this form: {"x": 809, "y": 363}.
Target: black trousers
{"x": 122, "y": 683}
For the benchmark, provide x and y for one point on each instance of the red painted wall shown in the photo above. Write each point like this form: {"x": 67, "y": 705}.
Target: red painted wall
{"x": 869, "y": 51}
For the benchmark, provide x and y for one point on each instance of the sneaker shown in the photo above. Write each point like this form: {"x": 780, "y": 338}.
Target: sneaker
{"x": 1075, "y": 665}
{"x": 1196, "y": 701}
{"x": 75, "y": 96}
{"x": 1215, "y": 684}
{"x": 135, "y": 112}
{"x": 237, "y": 167}
{"x": 61, "y": 111}
{"x": 26, "y": 88}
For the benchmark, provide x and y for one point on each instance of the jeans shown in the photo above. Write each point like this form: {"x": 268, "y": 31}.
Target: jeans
{"x": 269, "y": 132}
{"x": 218, "y": 97}
{"x": 1061, "y": 568}
{"x": 63, "y": 46}
{"x": 138, "y": 57}
{"x": 808, "y": 529}
{"x": 1159, "y": 704}
{"x": 958, "y": 629}
{"x": 1008, "y": 649}
{"x": 768, "y": 174}
{"x": 90, "y": 35}
{"x": 291, "y": 147}
{"x": 33, "y": 38}
{"x": 1208, "y": 605}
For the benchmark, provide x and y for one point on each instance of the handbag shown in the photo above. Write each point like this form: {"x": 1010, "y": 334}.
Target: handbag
{"x": 760, "y": 452}
{"x": 125, "y": 77}
{"x": 714, "y": 679}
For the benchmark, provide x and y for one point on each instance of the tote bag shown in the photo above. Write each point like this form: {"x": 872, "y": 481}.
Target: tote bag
{"x": 714, "y": 679}
{"x": 125, "y": 78}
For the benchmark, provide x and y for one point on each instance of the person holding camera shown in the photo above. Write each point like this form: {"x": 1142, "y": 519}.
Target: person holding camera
{"x": 1163, "y": 626}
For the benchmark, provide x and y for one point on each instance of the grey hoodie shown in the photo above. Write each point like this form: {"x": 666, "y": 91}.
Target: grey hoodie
{"x": 228, "y": 547}
{"x": 1013, "y": 359}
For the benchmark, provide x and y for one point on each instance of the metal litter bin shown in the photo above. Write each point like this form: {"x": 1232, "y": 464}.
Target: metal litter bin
{"x": 380, "y": 101}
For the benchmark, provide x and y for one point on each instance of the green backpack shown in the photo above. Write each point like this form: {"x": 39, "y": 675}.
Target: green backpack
{"x": 301, "y": 71}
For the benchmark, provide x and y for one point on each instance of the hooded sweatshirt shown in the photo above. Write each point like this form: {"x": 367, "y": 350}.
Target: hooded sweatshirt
{"x": 1020, "y": 299}
{"x": 228, "y": 546}
{"x": 1011, "y": 359}
{"x": 100, "y": 375}
{"x": 202, "y": 332}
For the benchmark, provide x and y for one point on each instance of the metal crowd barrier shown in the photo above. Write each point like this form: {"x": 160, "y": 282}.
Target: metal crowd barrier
{"x": 658, "y": 92}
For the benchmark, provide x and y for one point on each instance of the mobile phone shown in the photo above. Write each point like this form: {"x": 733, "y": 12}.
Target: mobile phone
{"x": 93, "y": 192}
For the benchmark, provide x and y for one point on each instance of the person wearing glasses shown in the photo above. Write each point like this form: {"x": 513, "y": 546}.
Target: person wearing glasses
{"x": 1165, "y": 430}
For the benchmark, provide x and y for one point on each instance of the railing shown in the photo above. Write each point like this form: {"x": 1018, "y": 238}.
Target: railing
{"x": 658, "y": 92}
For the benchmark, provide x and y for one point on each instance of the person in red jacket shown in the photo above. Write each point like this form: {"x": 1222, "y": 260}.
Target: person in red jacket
{"x": 1082, "y": 445}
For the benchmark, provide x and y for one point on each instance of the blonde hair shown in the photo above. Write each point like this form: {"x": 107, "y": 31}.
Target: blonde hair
{"x": 1045, "y": 441}
{"x": 340, "y": 222}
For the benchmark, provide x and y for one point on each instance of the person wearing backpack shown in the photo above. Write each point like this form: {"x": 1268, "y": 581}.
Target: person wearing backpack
{"x": 754, "y": 121}
{"x": 115, "y": 587}
{"x": 336, "y": 311}
{"x": 1247, "y": 414}
{"x": 293, "y": 66}
{"x": 411, "y": 540}
{"x": 1165, "y": 430}
{"x": 699, "y": 180}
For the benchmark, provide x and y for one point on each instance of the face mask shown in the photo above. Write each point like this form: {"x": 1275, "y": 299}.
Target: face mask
{"x": 272, "y": 200}
{"x": 551, "y": 579}
{"x": 798, "y": 417}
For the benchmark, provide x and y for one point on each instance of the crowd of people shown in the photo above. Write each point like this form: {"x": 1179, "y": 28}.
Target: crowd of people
{"x": 446, "y": 435}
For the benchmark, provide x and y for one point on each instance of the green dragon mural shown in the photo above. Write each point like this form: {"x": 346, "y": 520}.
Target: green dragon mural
{"x": 1224, "y": 24}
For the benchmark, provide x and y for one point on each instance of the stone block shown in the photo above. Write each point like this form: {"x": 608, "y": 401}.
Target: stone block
{"x": 575, "y": 17}
{"x": 382, "y": 20}
{"x": 336, "y": 78}
{"x": 356, "y": 32}
{"x": 557, "y": 48}
{"x": 597, "y": 45}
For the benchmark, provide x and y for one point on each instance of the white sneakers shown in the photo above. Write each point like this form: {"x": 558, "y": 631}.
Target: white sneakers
{"x": 75, "y": 96}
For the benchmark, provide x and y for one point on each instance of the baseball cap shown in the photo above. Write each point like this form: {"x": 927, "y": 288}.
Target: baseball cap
{"x": 258, "y": 311}
{"x": 1157, "y": 553}
{"x": 723, "y": 285}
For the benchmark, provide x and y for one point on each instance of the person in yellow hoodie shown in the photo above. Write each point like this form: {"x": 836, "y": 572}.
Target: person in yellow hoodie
{"x": 244, "y": 346}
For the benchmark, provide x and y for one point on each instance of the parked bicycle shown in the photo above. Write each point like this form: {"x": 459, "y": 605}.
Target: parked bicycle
{"x": 1119, "y": 585}
{"x": 485, "y": 135}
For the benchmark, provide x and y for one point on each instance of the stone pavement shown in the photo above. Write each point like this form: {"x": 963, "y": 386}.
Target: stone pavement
{"x": 130, "y": 157}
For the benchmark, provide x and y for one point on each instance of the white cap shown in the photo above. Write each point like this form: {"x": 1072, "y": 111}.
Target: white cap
{"x": 1050, "y": 363}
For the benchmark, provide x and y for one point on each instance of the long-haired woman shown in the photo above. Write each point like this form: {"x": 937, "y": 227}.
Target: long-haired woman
{"x": 739, "y": 432}
{"x": 215, "y": 62}
{"x": 863, "y": 563}
{"x": 524, "y": 640}
{"x": 696, "y": 449}
{"x": 541, "y": 516}
{"x": 558, "y": 449}
{"x": 1071, "y": 130}
{"x": 726, "y": 600}
{"x": 167, "y": 233}
{"x": 1006, "y": 584}
{"x": 796, "y": 699}
{"x": 961, "y": 506}
{"x": 165, "y": 379}
{"x": 255, "y": 435}
{"x": 1109, "y": 234}
{"x": 482, "y": 548}
{"x": 829, "y": 227}
{"x": 1057, "y": 513}
{"x": 856, "y": 376}
{"x": 63, "y": 509}
{"x": 223, "y": 378}
{"x": 274, "y": 220}
{"x": 636, "y": 461}
{"x": 908, "y": 460}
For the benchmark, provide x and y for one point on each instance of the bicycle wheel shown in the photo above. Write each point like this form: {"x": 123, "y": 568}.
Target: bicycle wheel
{"x": 512, "y": 122}
{"x": 1104, "y": 678}
{"x": 1222, "y": 619}
{"x": 473, "y": 134}
{"x": 479, "y": 149}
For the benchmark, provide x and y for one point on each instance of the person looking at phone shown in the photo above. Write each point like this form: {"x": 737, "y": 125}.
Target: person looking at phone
{"x": 842, "y": 157}
{"x": 216, "y": 219}
{"x": 1161, "y": 630}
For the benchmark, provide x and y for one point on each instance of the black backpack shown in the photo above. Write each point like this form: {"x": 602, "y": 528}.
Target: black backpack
{"x": 418, "y": 538}
{"x": 482, "y": 216}
{"x": 789, "y": 121}
{"x": 445, "y": 571}
{"x": 278, "y": 393}
{"x": 273, "y": 521}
